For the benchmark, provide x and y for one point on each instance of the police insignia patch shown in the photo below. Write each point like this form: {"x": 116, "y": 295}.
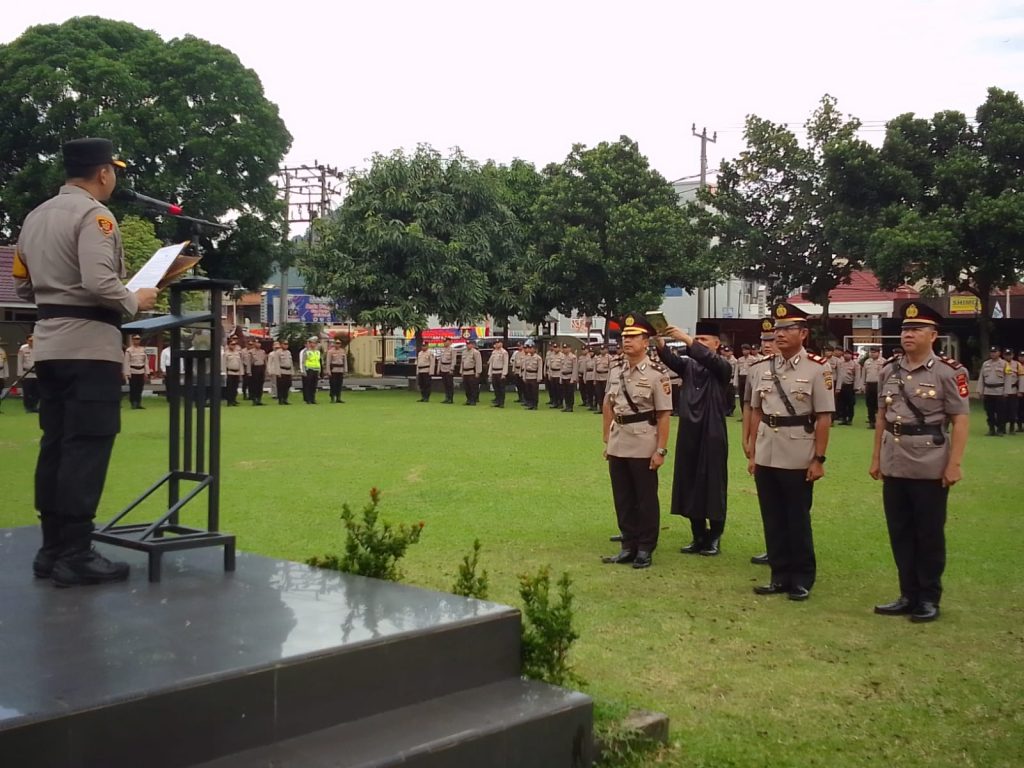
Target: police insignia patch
{"x": 827, "y": 373}
{"x": 780, "y": 311}
{"x": 106, "y": 225}
{"x": 961, "y": 385}
{"x": 766, "y": 325}
{"x": 667, "y": 387}
{"x": 912, "y": 311}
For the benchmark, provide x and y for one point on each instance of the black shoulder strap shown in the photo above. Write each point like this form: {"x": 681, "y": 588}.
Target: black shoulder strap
{"x": 782, "y": 393}
{"x": 625, "y": 390}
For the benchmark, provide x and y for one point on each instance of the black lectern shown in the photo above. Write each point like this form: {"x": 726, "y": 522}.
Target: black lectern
{"x": 193, "y": 392}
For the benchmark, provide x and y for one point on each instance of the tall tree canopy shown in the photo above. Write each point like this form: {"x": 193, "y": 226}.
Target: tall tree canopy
{"x": 417, "y": 235}
{"x": 771, "y": 209}
{"x": 193, "y": 124}
{"x": 942, "y": 200}
{"x": 610, "y": 232}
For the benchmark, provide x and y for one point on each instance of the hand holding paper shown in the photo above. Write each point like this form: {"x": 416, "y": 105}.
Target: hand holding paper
{"x": 163, "y": 266}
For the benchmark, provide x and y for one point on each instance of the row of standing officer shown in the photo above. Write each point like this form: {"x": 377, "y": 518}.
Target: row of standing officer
{"x": 999, "y": 383}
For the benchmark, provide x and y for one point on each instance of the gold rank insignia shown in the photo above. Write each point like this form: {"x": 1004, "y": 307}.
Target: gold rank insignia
{"x": 780, "y": 311}
{"x": 912, "y": 310}
{"x": 630, "y": 320}
{"x": 766, "y": 325}
{"x": 106, "y": 225}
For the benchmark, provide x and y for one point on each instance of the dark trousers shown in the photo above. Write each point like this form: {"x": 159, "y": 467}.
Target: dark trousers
{"x": 309, "y": 382}
{"x": 730, "y": 399}
{"x": 337, "y": 381}
{"x": 247, "y": 386}
{"x": 741, "y": 388}
{"x": 518, "y": 381}
{"x": 259, "y": 373}
{"x": 231, "y": 388}
{"x": 531, "y": 393}
{"x": 599, "y": 389}
{"x": 785, "y": 497}
{"x": 498, "y": 388}
{"x": 284, "y": 385}
{"x": 423, "y": 380}
{"x": 30, "y": 393}
{"x": 80, "y": 416}
{"x": 635, "y": 493}
{"x": 587, "y": 389}
{"x": 448, "y": 379}
{"x": 554, "y": 392}
{"x": 704, "y": 531}
{"x": 993, "y": 410}
{"x": 871, "y": 400}
{"x": 472, "y": 384}
{"x": 845, "y": 399}
{"x": 915, "y": 513}
{"x": 136, "y": 382}
{"x": 1010, "y": 410}
{"x": 568, "y": 391}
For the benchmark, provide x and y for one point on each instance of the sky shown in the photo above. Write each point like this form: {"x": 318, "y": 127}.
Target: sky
{"x": 529, "y": 79}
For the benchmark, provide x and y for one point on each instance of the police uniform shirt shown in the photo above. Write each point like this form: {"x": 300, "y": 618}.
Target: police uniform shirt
{"x": 471, "y": 363}
{"x": 26, "y": 359}
{"x": 1009, "y": 377}
{"x": 498, "y": 364}
{"x": 807, "y": 381}
{"x": 425, "y": 362}
{"x": 233, "y": 363}
{"x": 649, "y": 388}
{"x": 872, "y": 369}
{"x": 752, "y": 375}
{"x": 568, "y": 369}
{"x": 939, "y": 388}
{"x": 587, "y": 365}
{"x": 135, "y": 361}
{"x": 516, "y": 362}
{"x": 284, "y": 362}
{"x": 446, "y": 361}
{"x": 848, "y": 374}
{"x": 273, "y": 366}
{"x": 553, "y": 364}
{"x": 337, "y": 360}
{"x": 246, "y": 355}
{"x": 71, "y": 248}
{"x": 533, "y": 367}
{"x": 743, "y": 364}
{"x": 602, "y": 364}
{"x": 258, "y": 357}
{"x": 992, "y": 380}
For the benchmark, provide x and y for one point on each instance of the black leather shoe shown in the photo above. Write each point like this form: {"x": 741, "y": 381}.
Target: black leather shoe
{"x": 760, "y": 559}
{"x": 899, "y": 607}
{"x": 42, "y": 565}
{"x": 925, "y": 611}
{"x": 693, "y": 548}
{"x": 711, "y": 548}
{"x": 799, "y": 593}
{"x": 617, "y": 537}
{"x": 642, "y": 560}
{"x": 87, "y": 567}
{"x": 771, "y": 589}
{"x": 624, "y": 557}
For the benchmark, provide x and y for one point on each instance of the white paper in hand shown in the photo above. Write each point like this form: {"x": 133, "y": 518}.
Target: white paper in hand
{"x": 153, "y": 271}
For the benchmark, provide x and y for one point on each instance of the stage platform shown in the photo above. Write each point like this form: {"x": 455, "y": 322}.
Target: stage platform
{"x": 276, "y": 664}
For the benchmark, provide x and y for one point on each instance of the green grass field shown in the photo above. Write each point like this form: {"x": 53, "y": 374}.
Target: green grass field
{"x": 746, "y": 680}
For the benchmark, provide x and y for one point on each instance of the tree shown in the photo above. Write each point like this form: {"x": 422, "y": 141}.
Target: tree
{"x": 416, "y": 236}
{"x": 942, "y": 200}
{"x": 772, "y": 209}
{"x": 610, "y": 232}
{"x": 190, "y": 120}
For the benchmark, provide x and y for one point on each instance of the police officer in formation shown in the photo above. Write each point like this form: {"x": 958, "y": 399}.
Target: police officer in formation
{"x": 791, "y": 406}
{"x": 336, "y": 366}
{"x": 258, "y": 360}
{"x": 918, "y": 461}
{"x": 27, "y": 374}
{"x": 553, "y": 369}
{"x": 69, "y": 261}
{"x": 497, "y": 372}
{"x": 992, "y": 385}
{"x": 282, "y": 362}
{"x": 567, "y": 381}
{"x": 234, "y": 369}
{"x": 871, "y": 371}
{"x": 425, "y": 366}
{"x": 245, "y": 352}
{"x": 3, "y": 370}
{"x": 585, "y": 366}
{"x": 516, "y": 365}
{"x": 533, "y": 374}
{"x": 1011, "y": 379}
{"x": 765, "y": 353}
{"x": 311, "y": 369}
{"x": 446, "y": 369}
{"x": 471, "y": 366}
{"x": 602, "y": 367}
{"x": 135, "y": 371}
{"x": 848, "y": 383}
{"x": 636, "y": 412}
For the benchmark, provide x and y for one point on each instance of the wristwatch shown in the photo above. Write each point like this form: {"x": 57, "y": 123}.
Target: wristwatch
{"x": 662, "y": 451}
{"x": 820, "y": 459}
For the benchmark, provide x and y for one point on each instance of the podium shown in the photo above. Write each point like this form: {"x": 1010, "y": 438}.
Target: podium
{"x": 193, "y": 394}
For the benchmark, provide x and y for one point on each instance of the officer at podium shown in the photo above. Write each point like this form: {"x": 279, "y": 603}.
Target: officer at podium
{"x": 70, "y": 262}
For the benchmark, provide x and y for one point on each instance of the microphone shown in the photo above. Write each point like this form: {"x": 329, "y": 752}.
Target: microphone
{"x": 131, "y": 196}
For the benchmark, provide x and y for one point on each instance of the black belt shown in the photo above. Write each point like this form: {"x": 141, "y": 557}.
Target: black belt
{"x": 99, "y": 314}
{"x": 899, "y": 428}
{"x": 774, "y": 421}
{"x": 138, "y": 367}
{"x": 633, "y": 418}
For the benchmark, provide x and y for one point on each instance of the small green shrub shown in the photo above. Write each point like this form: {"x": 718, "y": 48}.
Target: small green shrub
{"x": 372, "y": 548}
{"x": 548, "y": 632}
{"x": 468, "y": 583}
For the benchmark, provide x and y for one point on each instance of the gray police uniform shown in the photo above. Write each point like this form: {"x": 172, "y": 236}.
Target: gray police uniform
{"x": 783, "y": 451}
{"x": 915, "y": 401}
{"x": 497, "y": 370}
{"x": 70, "y": 247}
{"x": 533, "y": 373}
{"x": 567, "y": 385}
{"x": 871, "y": 370}
{"x": 446, "y": 368}
{"x": 992, "y": 385}
{"x": 470, "y": 367}
{"x": 136, "y": 365}
{"x": 29, "y": 381}
{"x": 424, "y": 373}
{"x": 258, "y": 358}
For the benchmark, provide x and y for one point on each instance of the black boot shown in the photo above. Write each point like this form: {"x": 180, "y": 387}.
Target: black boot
{"x": 42, "y": 565}
{"x": 79, "y": 564}
{"x": 695, "y": 547}
{"x": 711, "y": 547}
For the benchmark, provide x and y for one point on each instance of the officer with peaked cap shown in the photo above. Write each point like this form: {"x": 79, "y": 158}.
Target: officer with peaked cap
{"x": 69, "y": 261}
{"x": 791, "y": 406}
{"x": 532, "y": 367}
{"x": 992, "y": 385}
{"x": 637, "y": 409}
{"x": 917, "y": 461}
{"x": 1010, "y": 378}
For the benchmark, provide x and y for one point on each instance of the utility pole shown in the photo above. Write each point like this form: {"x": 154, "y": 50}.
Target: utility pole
{"x": 703, "y": 136}
{"x": 308, "y": 192}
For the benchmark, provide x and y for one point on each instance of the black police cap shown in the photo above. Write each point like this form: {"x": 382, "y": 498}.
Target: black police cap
{"x": 88, "y": 153}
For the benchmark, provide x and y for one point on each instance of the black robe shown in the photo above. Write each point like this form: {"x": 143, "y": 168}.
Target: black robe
{"x": 701, "y": 476}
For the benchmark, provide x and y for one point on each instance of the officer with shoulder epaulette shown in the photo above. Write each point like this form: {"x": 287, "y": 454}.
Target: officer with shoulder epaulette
{"x": 992, "y": 385}
{"x": 602, "y": 365}
{"x": 234, "y": 369}
{"x": 533, "y": 373}
{"x": 497, "y": 371}
{"x": 871, "y": 371}
{"x": 569, "y": 374}
{"x": 245, "y": 351}
{"x": 918, "y": 461}
{"x": 553, "y": 369}
{"x": 636, "y": 409}
{"x": 136, "y": 369}
{"x": 446, "y": 369}
{"x": 425, "y": 362}
{"x": 791, "y": 405}
{"x": 1010, "y": 378}
{"x": 258, "y": 371}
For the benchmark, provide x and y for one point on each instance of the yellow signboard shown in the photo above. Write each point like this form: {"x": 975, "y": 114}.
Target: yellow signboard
{"x": 964, "y": 305}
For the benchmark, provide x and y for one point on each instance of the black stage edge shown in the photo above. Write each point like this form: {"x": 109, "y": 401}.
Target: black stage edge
{"x": 274, "y": 664}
